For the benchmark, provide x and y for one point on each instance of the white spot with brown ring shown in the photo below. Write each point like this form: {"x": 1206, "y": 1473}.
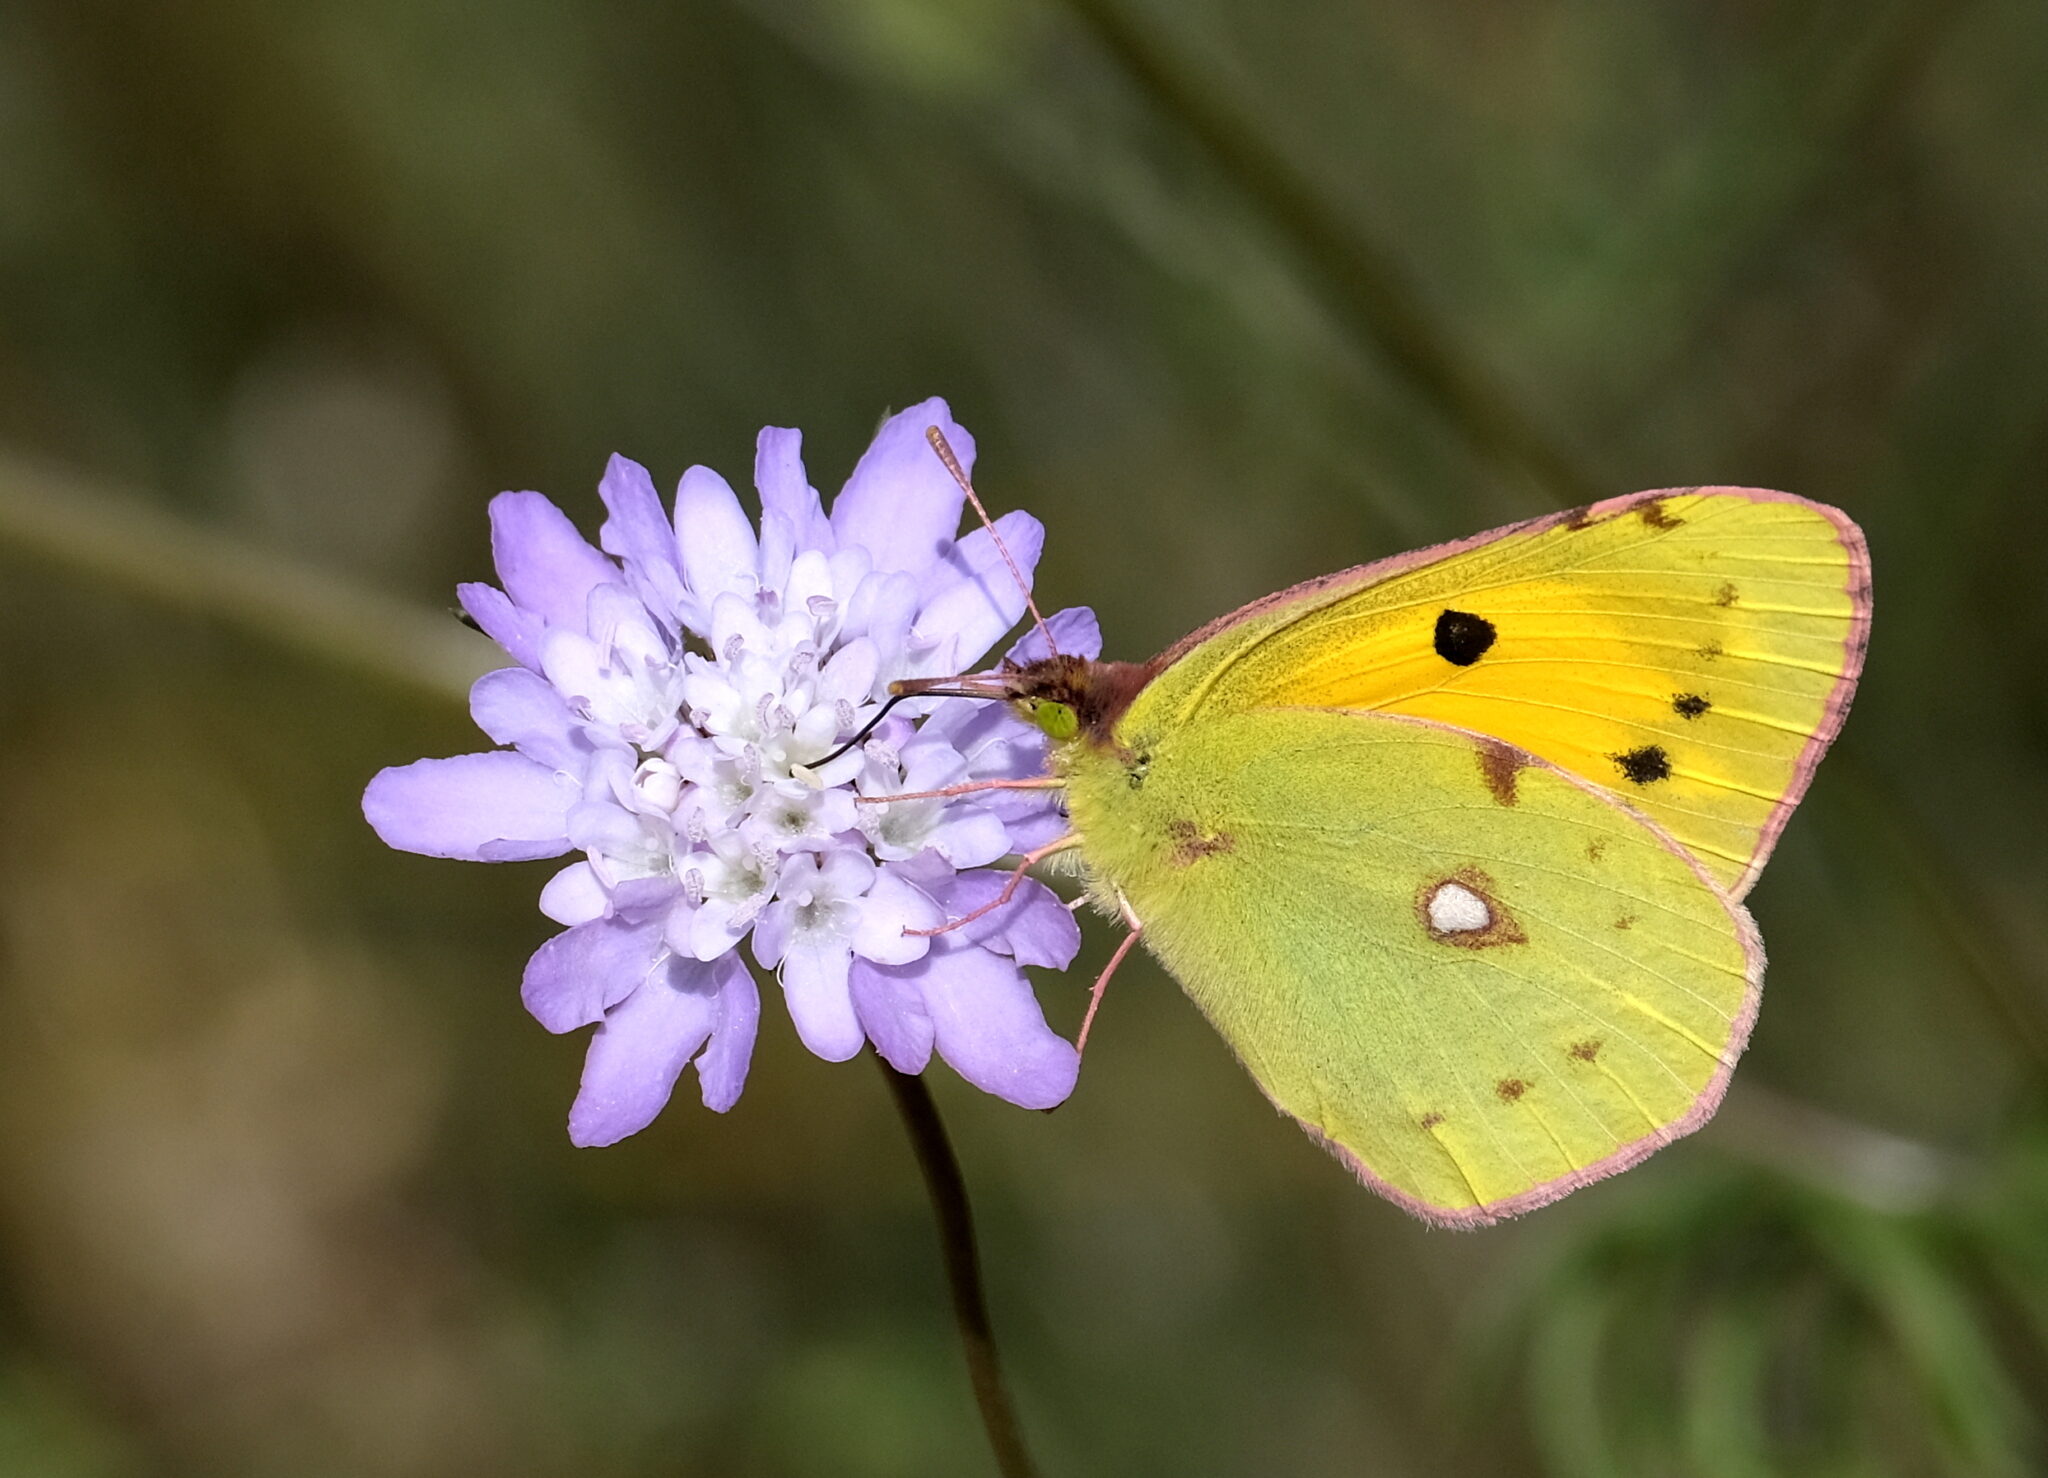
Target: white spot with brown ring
{"x": 1464, "y": 909}
{"x": 1456, "y": 909}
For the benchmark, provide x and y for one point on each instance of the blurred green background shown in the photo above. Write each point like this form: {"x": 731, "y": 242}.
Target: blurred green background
{"x": 1232, "y": 294}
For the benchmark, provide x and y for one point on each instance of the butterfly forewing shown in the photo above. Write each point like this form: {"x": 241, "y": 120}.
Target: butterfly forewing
{"x": 1692, "y": 652}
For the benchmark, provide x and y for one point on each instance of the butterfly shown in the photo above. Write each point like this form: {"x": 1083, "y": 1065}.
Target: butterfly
{"x": 1451, "y": 848}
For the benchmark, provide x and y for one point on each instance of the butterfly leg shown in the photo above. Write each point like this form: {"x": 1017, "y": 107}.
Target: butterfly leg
{"x": 1010, "y": 888}
{"x": 1123, "y": 948}
{"x": 970, "y": 787}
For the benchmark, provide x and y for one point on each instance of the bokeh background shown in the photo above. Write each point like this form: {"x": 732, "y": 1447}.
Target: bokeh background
{"x": 1232, "y": 294}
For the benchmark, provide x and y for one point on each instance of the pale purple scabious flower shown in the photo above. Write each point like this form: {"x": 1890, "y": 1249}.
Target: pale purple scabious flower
{"x": 673, "y": 692}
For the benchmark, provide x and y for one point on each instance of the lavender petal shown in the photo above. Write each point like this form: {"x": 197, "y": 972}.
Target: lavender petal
{"x": 785, "y": 489}
{"x": 1075, "y": 630}
{"x": 719, "y": 552}
{"x": 778, "y": 550}
{"x": 639, "y": 533}
{"x": 518, "y": 632}
{"x": 522, "y": 709}
{"x": 722, "y": 1070}
{"x": 889, "y": 912}
{"x": 642, "y": 1047}
{"x": 546, "y": 566}
{"x": 574, "y": 896}
{"x": 814, "y": 984}
{"x": 496, "y": 807}
{"x": 988, "y": 1027}
{"x": 891, "y": 1012}
{"x": 1034, "y": 926}
{"x": 577, "y": 976}
{"x": 1032, "y": 829}
{"x": 901, "y": 503}
{"x": 970, "y": 836}
{"x": 973, "y": 596}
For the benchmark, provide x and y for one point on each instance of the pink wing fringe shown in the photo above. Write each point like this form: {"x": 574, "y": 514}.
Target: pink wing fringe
{"x": 1837, "y": 709}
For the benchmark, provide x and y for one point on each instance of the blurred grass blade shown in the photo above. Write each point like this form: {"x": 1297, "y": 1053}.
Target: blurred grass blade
{"x": 1978, "y": 1415}
{"x": 1361, "y": 280}
{"x": 1870, "y": 1166}
{"x": 1725, "y": 1431}
{"x": 1978, "y": 940}
{"x": 1567, "y": 1395}
{"x": 118, "y": 539}
{"x": 1752, "y": 179}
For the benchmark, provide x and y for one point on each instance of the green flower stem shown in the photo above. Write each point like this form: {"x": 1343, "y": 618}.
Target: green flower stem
{"x": 942, "y": 1179}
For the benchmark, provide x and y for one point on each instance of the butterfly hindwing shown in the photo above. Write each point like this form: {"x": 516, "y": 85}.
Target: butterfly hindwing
{"x": 1691, "y": 651}
{"x": 1478, "y": 979}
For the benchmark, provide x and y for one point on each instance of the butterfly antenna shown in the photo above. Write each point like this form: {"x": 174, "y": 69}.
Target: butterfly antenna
{"x": 866, "y": 729}
{"x": 937, "y": 438}
{"x": 901, "y": 692}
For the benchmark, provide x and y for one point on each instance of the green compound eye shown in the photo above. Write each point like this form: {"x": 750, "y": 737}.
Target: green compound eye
{"x": 1056, "y": 719}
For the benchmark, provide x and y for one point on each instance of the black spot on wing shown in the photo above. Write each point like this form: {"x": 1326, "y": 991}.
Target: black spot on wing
{"x": 1689, "y": 705}
{"x": 1645, "y": 765}
{"x": 1462, "y": 638}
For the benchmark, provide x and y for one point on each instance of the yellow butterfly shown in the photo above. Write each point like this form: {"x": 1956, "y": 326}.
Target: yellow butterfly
{"x": 1450, "y": 847}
